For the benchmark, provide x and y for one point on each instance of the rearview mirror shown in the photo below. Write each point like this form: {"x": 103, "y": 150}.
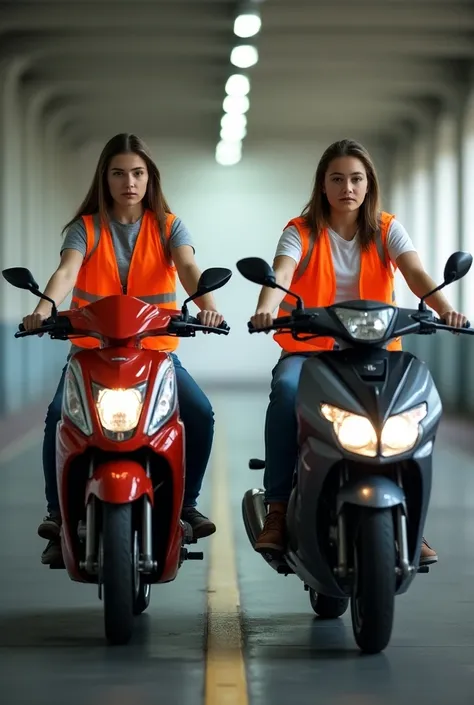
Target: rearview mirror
{"x": 212, "y": 279}
{"x": 457, "y": 266}
{"x": 21, "y": 277}
{"x": 257, "y": 271}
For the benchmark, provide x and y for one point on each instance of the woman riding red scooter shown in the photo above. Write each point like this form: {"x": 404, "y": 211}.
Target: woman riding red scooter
{"x": 125, "y": 240}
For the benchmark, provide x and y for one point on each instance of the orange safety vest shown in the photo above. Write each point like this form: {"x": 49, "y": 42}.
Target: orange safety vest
{"x": 315, "y": 280}
{"x": 151, "y": 277}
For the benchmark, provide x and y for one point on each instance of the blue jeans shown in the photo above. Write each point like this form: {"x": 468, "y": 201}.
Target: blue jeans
{"x": 281, "y": 449}
{"x": 198, "y": 419}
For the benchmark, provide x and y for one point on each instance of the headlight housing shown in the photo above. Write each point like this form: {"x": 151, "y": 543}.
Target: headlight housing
{"x": 163, "y": 402}
{"x": 74, "y": 399}
{"x": 365, "y": 325}
{"x": 119, "y": 410}
{"x": 357, "y": 434}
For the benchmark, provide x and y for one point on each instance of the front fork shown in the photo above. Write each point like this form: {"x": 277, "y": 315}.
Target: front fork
{"x": 91, "y": 564}
{"x": 342, "y": 569}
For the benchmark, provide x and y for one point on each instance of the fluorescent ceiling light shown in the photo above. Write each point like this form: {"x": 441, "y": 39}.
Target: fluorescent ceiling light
{"x": 247, "y": 25}
{"x": 233, "y": 133}
{"x": 238, "y": 84}
{"x": 234, "y": 121}
{"x": 244, "y": 56}
{"x": 236, "y": 104}
{"x": 228, "y": 153}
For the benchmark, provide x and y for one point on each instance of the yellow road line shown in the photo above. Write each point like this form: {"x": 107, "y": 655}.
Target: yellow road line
{"x": 226, "y": 682}
{"x": 21, "y": 445}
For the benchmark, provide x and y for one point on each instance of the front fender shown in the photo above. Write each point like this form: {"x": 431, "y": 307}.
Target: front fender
{"x": 375, "y": 492}
{"x": 119, "y": 482}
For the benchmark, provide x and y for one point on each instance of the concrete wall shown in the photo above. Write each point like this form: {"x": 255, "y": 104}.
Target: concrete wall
{"x": 432, "y": 189}
{"x": 37, "y": 176}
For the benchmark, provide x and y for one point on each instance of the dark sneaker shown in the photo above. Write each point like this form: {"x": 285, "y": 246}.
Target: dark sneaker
{"x": 52, "y": 554}
{"x": 50, "y": 527}
{"x": 272, "y": 538}
{"x": 201, "y": 525}
{"x": 427, "y": 555}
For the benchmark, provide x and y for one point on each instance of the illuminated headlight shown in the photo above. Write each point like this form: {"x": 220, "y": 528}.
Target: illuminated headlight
{"x": 357, "y": 435}
{"x": 400, "y": 433}
{"x": 164, "y": 401}
{"x": 365, "y": 325}
{"x": 119, "y": 409}
{"x": 74, "y": 399}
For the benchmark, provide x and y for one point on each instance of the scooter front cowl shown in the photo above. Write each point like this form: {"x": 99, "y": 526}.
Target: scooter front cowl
{"x": 375, "y": 492}
{"x": 118, "y": 482}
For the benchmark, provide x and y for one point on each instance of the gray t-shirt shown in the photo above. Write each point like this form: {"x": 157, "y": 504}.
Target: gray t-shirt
{"x": 124, "y": 238}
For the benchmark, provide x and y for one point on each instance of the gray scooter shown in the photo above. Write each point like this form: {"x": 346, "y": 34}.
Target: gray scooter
{"x": 367, "y": 422}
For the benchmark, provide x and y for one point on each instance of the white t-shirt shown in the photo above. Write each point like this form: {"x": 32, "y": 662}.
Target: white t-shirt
{"x": 346, "y": 255}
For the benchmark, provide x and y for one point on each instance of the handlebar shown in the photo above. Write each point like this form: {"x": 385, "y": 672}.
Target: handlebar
{"x": 179, "y": 327}
{"x": 322, "y": 322}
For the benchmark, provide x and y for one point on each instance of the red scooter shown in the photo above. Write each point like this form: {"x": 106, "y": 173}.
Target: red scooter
{"x": 120, "y": 448}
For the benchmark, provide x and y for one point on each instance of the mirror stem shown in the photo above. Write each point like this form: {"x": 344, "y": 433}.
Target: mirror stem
{"x": 299, "y": 301}
{"x": 422, "y": 305}
{"x": 54, "y": 310}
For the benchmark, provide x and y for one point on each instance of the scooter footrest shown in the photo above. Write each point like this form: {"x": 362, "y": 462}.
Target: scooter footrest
{"x": 195, "y": 556}
{"x": 285, "y": 570}
{"x": 423, "y": 569}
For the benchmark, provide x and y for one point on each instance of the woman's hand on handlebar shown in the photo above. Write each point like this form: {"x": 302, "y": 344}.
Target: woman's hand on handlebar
{"x": 453, "y": 318}
{"x": 212, "y": 319}
{"x": 262, "y": 319}
{"x": 34, "y": 321}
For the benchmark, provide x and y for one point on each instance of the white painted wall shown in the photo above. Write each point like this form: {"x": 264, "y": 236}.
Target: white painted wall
{"x": 233, "y": 212}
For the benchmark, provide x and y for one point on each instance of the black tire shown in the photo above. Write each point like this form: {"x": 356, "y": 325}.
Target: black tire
{"x": 118, "y": 572}
{"x": 373, "y": 598}
{"x": 142, "y": 599}
{"x": 328, "y": 607}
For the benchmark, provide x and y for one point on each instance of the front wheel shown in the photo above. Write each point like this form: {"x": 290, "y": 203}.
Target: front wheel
{"x": 373, "y": 597}
{"x": 328, "y": 607}
{"x": 118, "y": 572}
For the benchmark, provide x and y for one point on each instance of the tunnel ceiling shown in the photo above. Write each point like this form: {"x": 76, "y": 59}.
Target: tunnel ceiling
{"x": 159, "y": 67}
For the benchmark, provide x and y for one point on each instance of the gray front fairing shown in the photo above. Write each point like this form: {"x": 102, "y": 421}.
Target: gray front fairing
{"x": 377, "y": 384}
{"x": 336, "y": 378}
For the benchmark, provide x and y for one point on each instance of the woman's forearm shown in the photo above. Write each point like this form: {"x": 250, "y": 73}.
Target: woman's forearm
{"x": 189, "y": 278}
{"x": 58, "y": 288}
{"x": 420, "y": 283}
{"x": 270, "y": 299}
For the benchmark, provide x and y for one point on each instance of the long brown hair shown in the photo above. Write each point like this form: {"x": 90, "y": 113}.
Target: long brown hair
{"x": 317, "y": 210}
{"x": 99, "y": 199}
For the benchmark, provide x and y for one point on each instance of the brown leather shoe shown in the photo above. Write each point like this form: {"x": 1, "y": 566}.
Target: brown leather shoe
{"x": 272, "y": 539}
{"x": 427, "y": 555}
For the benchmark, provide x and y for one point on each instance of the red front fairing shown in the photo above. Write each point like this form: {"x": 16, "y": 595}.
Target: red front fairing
{"x": 122, "y": 367}
{"x": 119, "y": 320}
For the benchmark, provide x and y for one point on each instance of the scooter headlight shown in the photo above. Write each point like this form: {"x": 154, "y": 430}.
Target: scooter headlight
{"x": 357, "y": 434}
{"x": 365, "y": 325}
{"x": 119, "y": 410}
{"x": 74, "y": 399}
{"x": 400, "y": 432}
{"x": 163, "y": 402}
